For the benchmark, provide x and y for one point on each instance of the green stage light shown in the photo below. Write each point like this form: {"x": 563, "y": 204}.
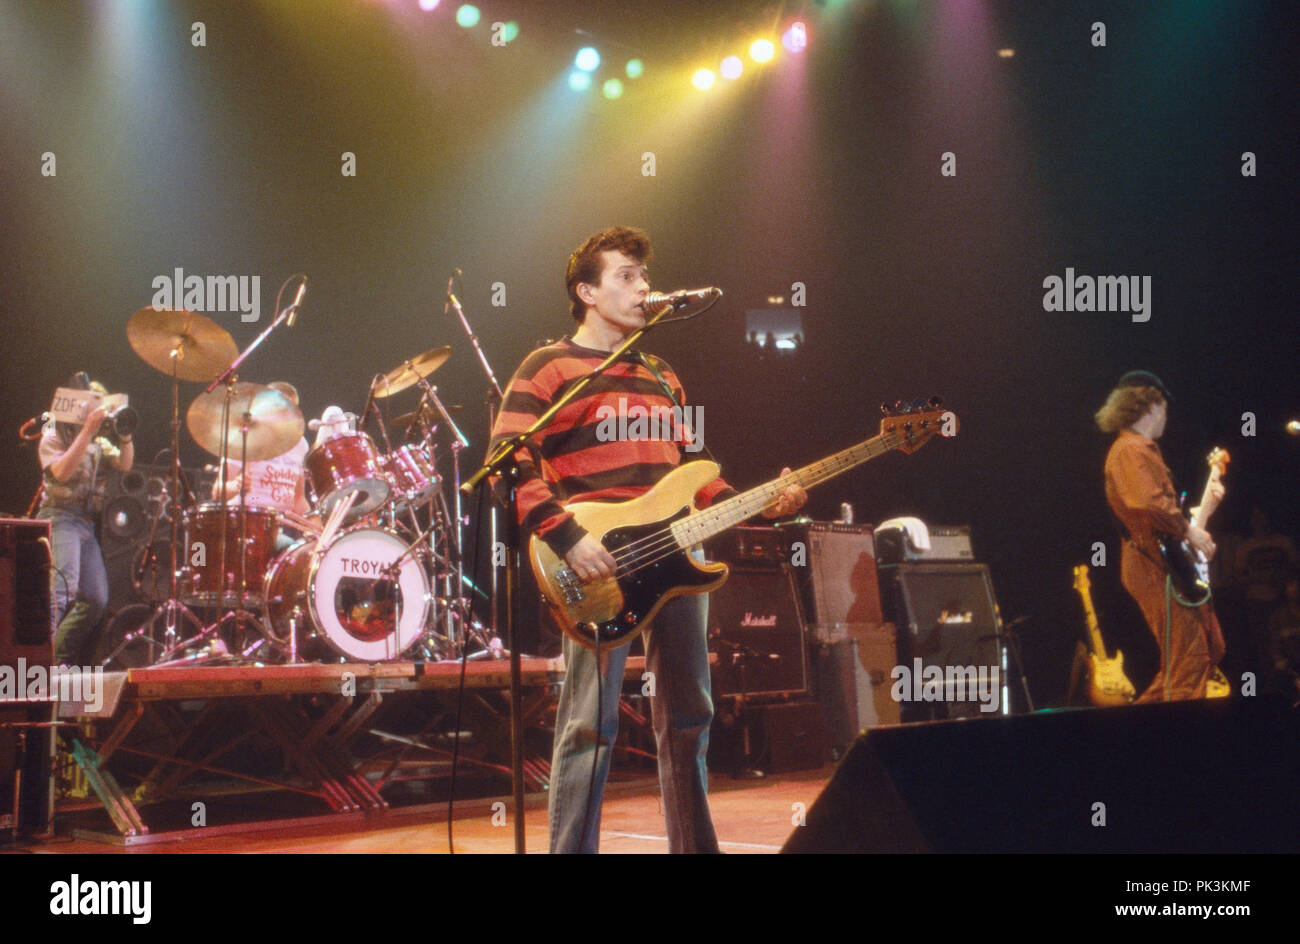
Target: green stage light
{"x": 579, "y": 81}
{"x": 468, "y": 15}
{"x": 612, "y": 88}
{"x": 587, "y": 59}
{"x": 634, "y": 68}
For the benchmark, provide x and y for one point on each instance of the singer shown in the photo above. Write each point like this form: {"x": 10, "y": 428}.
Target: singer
{"x": 608, "y": 284}
{"x": 73, "y": 497}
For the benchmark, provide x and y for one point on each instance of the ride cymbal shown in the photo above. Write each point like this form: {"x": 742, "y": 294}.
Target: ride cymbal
{"x": 411, "y": 372}
{"x": 274, "y": 423}
{"x": 202, "y": 348}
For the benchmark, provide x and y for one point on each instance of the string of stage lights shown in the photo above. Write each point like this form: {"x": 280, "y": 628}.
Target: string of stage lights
{"x": 588, "y": 60}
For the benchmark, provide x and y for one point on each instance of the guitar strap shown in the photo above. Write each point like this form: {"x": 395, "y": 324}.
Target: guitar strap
{"x": 649, "y": 365}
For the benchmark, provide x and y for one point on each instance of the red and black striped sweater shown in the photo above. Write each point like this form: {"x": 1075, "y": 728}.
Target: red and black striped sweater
{"x": 584, "y": 455}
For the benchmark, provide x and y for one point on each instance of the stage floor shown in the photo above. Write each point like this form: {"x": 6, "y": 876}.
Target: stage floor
{"x": 751, "y": 816}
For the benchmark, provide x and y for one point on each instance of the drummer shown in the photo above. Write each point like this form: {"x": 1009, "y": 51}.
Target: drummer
{"x": 271, "y": 483}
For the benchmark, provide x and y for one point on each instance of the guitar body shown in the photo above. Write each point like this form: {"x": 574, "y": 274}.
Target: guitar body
{"x": 1188, "y": 574}
{"x": 613, "y": 610}
{"x": 1189, "y": 571}
{"x": 1107, "y": 684}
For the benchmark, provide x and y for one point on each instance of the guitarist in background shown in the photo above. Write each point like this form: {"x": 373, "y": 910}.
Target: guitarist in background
{"x": 1141, "y": 493}
{"x": 607, "y": 281}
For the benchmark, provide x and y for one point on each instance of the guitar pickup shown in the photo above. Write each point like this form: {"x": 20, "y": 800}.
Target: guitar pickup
{"x": 570, "y": 586}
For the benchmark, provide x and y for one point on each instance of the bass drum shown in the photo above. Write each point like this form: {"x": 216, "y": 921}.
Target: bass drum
{"x": 342, "y": 597}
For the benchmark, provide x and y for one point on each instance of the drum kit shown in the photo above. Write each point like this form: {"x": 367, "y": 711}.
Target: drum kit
{"x": 374, "y": 573}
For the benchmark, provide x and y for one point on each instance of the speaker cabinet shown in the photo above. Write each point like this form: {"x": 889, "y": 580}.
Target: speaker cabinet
{"x": 755, "y": 630}
{"x": 947, "y": 618}
{"x": 843, "y": 585}
{"x": 1184, "y": 777}
{"x": 26, "y": 634}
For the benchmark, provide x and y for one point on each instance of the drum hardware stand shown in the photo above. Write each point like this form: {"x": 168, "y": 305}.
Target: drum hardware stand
{"x": 229, "y": 377}
{"x": 459, "y": 607}
{"x": 172, "y": 609}
{"x": 492, "y": 400}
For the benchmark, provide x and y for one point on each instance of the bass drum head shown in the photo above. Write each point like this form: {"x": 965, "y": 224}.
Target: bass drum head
{"x": 358, "y": 610}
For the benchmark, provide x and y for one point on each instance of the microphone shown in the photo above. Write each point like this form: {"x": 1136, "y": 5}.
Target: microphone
{"x": 451, "y": 283}
{"x": 297, "y": 301}
{"x": 680, "y": 298}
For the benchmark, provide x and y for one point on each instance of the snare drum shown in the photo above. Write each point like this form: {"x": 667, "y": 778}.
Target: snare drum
{"x": 346, "y": 464}
{"x": 412, "y": 475}
{"x": 209, "y": 583}
{"x": 343, "y": 598}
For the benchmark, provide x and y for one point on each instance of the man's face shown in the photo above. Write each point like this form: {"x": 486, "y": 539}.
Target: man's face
{"x": 616, "y": 299}
{"x": 1160, "y": 413}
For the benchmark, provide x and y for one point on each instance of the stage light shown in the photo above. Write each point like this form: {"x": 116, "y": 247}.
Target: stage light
{"x": 796, "y": 37}
{"x": 612, "y": 88}
{"x": 1006, "y": 53}
{"x": 703, "y": 79}
{"x": 762, "y": 50}
{"x": 427, "y": 5}
{"x": 510, "y": 31}
{"x": 587, "y": 59}
{"x": 634, "y": 68}
{"x": 732, "y": 67}
{"x": 468, "y": 15}
{"x": 579, "y": 81}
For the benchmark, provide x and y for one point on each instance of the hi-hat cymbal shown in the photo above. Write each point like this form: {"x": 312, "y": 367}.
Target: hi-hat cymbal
{"x": 411, "y": 372}
{"x": 274, "y": 423}
{"x": 202, "y": 347}
{"x": 428, "y": 413}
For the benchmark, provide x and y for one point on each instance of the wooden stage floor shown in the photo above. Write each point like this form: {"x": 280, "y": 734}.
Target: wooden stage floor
{"x": 751, "y": 817}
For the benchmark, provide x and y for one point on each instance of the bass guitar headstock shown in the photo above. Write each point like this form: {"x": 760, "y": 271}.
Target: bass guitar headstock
{"x": 907, "y": 424}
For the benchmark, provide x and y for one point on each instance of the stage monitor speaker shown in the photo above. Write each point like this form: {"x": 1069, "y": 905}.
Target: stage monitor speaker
{"x": 1185, "y": 777}
{"x": 755, "y": 630}
{"x": 946, "y": 617}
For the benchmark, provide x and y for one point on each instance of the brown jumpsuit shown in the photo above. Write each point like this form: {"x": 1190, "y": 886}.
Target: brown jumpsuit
{"x": 1141, "y": 493}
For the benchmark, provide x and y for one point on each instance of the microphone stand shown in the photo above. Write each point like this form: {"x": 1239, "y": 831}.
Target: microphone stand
{"x": 501, "y": 462}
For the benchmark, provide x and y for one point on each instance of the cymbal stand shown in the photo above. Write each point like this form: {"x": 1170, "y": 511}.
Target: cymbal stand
{"x": 492, "y": 400}
{"x": 172, "y": 609}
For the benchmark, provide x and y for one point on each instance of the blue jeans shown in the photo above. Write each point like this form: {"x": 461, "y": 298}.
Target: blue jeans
{"x": 80, "y": 584}
{"x": 682, "y": 709}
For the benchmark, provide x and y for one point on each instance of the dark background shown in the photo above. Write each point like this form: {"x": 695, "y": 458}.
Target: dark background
{"x": 821, "y": 168}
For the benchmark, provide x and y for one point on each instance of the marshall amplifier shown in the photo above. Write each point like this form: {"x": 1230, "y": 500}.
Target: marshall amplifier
{"x": 754, "y": 628}
{"x": 947, "y": 624}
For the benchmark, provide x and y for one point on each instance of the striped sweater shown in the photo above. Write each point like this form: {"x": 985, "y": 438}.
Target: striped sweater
{"x": 586, "y": 454}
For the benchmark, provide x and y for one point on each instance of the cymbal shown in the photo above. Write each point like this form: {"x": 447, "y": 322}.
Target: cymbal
{"x": 429, "y": 414}
{"x": 412, "y": 372}
{"x": 205, "y": 348}
{"x": 274, "y": 423}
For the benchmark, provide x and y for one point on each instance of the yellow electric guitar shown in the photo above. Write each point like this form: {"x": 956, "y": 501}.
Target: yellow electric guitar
{"x": 650, "y": 535}
{"x": 1107, "y": 683}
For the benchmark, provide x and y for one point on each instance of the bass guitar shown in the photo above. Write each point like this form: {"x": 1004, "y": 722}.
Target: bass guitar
{"x": 650, "y": 536}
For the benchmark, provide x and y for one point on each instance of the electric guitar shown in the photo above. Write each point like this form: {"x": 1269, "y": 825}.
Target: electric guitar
{"x": 650, "y": 536}
{"x": 1107, "y": 683}
{"x": 1188, "y": 568}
